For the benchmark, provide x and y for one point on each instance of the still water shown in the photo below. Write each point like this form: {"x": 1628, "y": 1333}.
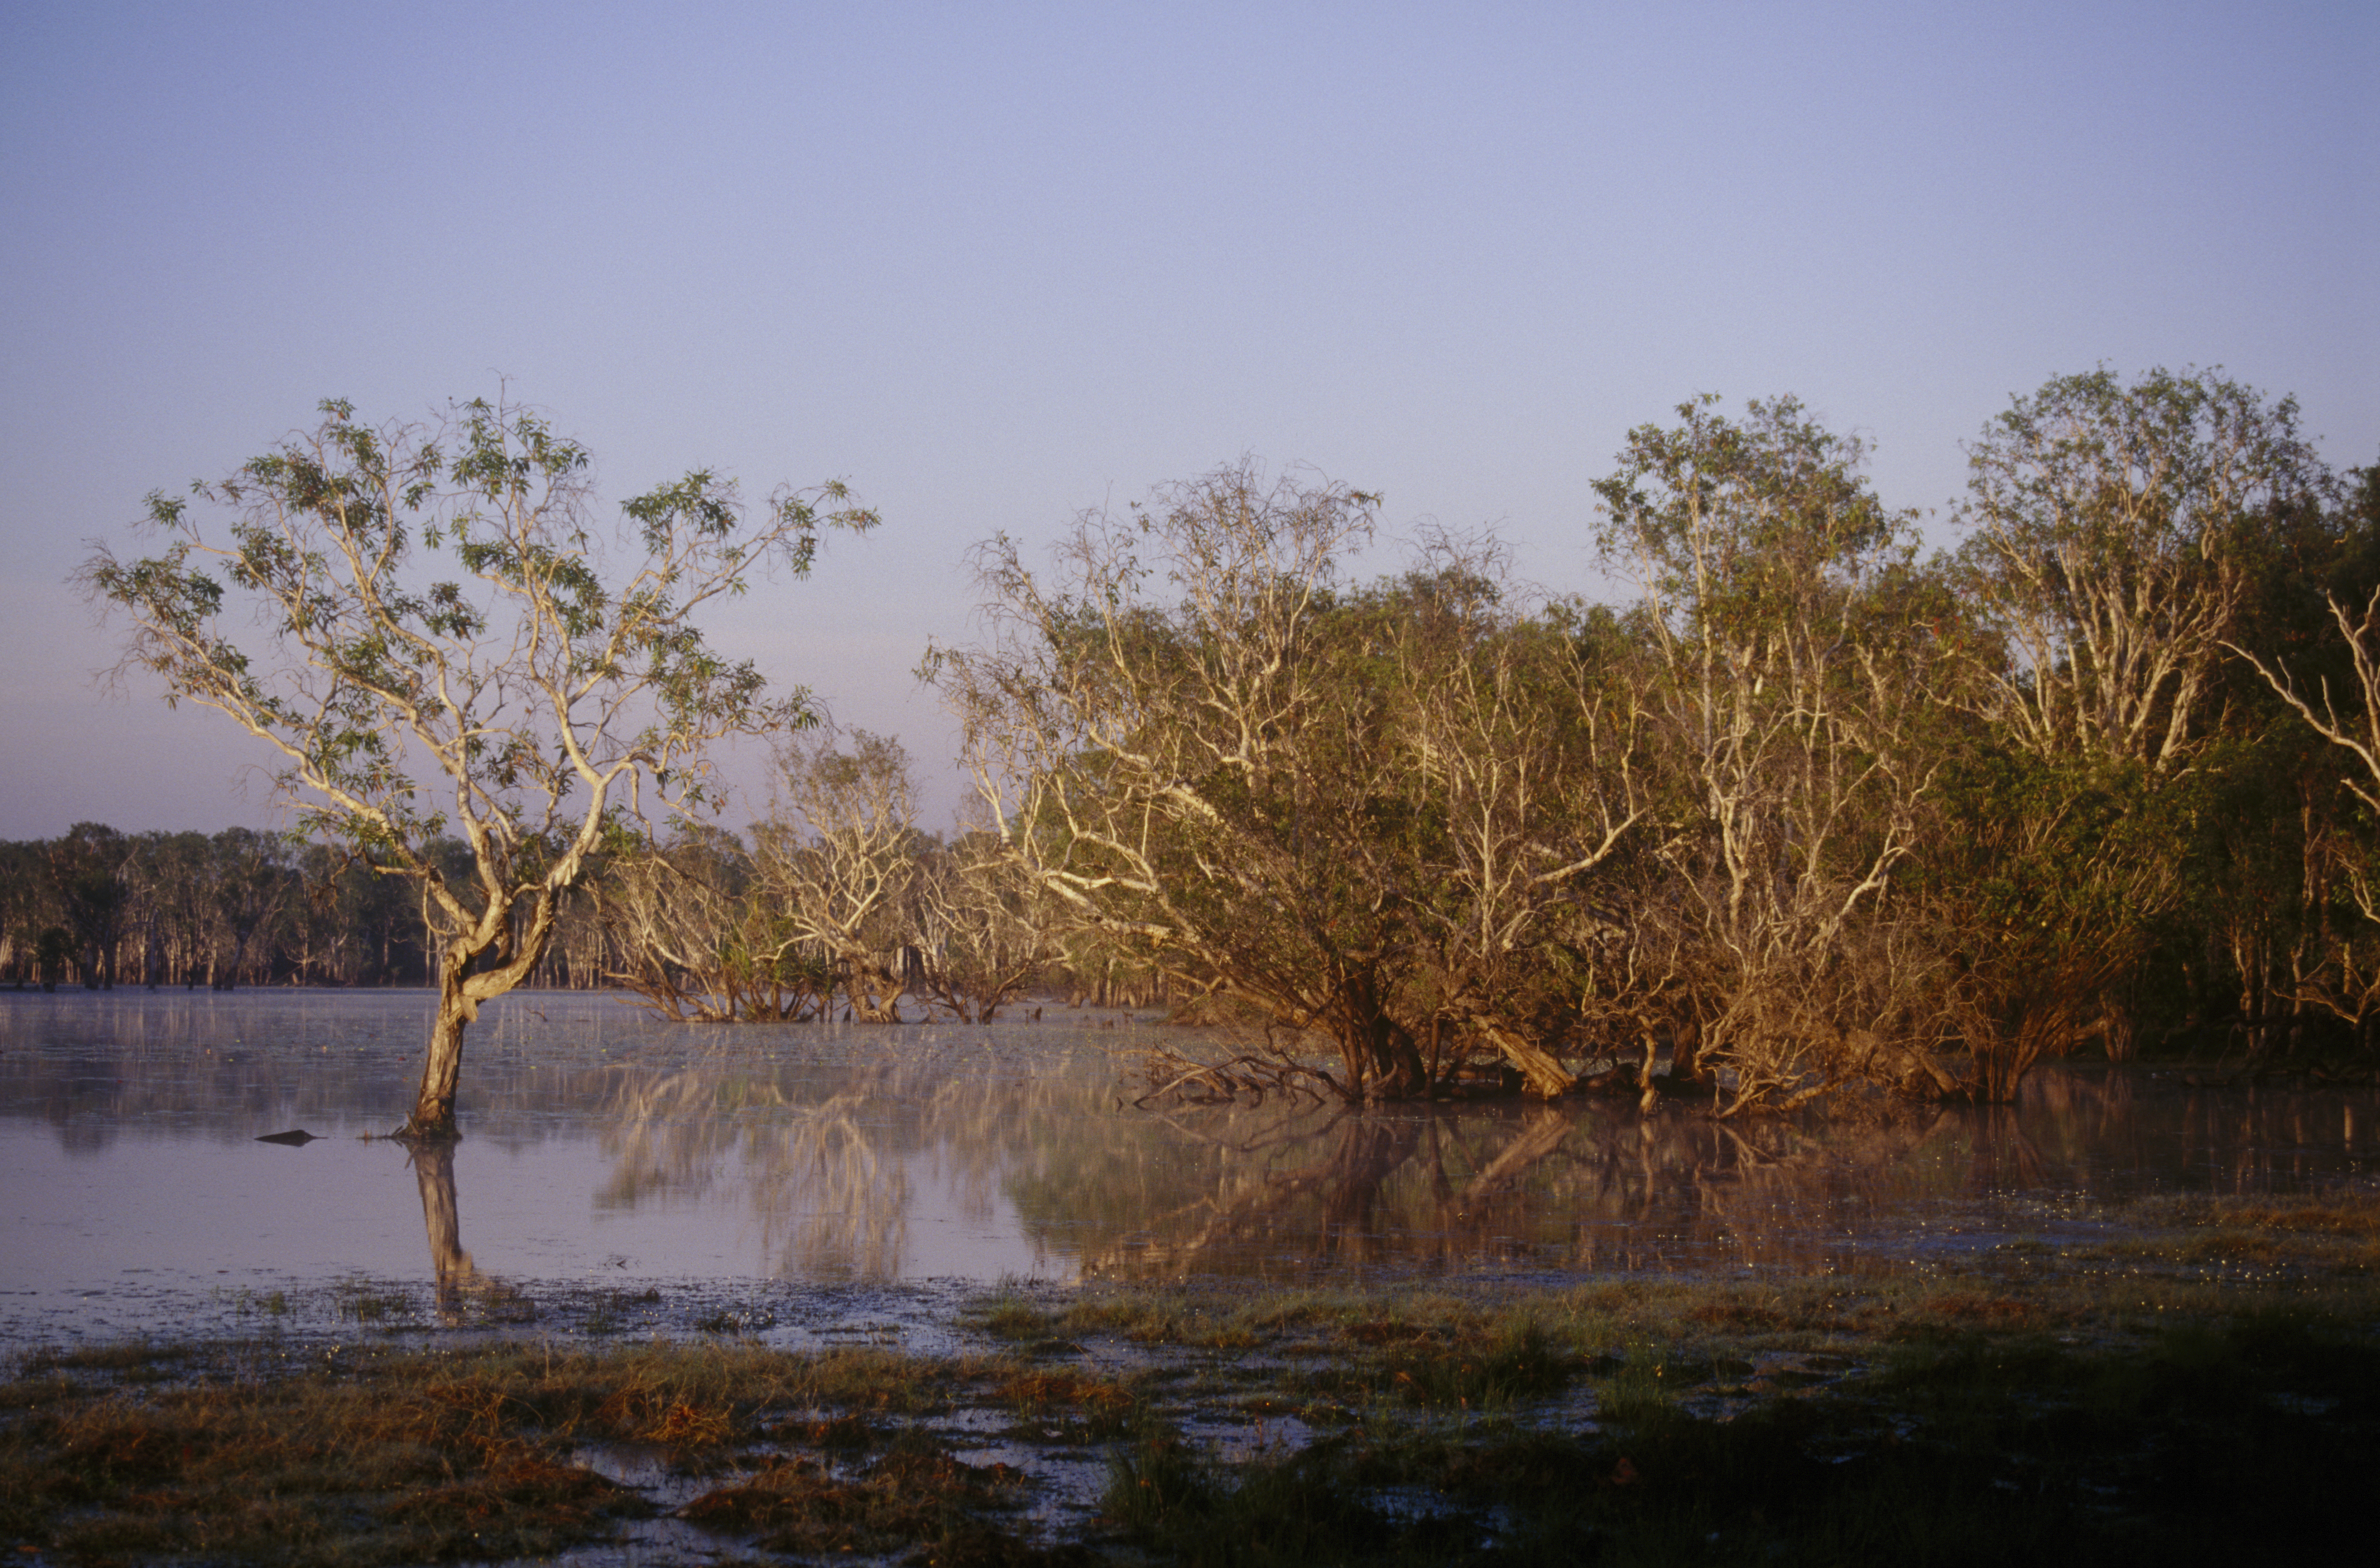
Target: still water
{"x": 606, "y": 1151}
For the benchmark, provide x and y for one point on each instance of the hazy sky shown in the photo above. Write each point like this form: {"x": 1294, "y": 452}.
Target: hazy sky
{"x": 995, "y": 263}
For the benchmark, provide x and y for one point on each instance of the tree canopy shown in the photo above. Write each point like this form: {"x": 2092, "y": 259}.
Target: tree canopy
{"x": 430, "y": 627}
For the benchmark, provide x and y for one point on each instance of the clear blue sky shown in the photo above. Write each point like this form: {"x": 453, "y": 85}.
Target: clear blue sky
{"x": 994, "y": 263}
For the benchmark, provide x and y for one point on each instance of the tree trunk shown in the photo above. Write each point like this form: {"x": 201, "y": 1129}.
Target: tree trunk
{"x": 1383, "y": 1060}
{"x": 511, "y": 943}
{"x": 873, "y": 991}
{"x": 1541, "y": 1075}
{"x": 442, "y": 1068}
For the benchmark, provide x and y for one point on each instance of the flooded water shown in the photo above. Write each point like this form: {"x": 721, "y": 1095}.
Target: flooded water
{"x": 607, "y": 1153}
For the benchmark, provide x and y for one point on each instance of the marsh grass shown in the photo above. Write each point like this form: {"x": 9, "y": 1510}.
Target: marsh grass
{"x": 391, "y": 1457}
{"x": 2116, "y": 1399}
{"x": 1970, "y": 1447}
{"x": 1489, "y": 1368}
{"x": 1058, "y": 1405}
{"x": 915, "y": 1497}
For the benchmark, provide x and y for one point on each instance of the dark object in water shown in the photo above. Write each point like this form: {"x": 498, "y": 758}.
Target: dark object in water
{"x": 297, "y": 1138}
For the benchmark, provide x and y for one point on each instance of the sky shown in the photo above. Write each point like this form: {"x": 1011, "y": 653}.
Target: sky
{"x": 995, "y": 265}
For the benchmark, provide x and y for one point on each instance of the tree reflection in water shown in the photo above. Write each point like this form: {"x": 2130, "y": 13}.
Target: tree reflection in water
{"x": 1587, "y": 1187}
{"x": 1577, "y": 1186}
{"x": 833, "y": 1177}
{"x": 831, "y": 1174}
{"x": 433, "y": 1171}
{"x": 822, "y": 1152}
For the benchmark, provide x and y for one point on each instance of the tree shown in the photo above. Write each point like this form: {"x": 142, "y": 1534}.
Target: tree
{"x": 697, "y": 938}
{"x": 2120, "y": 537}
{"x": 1193, "y": 778}
{"x": 2346, "y": 978}
{"x": 2106, "y": 552}
{"x": 987, "y": 928}
{"x": 1790, "y": 669}
{"x": 426, "y": 625}
{"x": 1282, "y": 791}
{"x": 838, "y": 871}
{"x": 250, "y": 884}
{"x": 88, "y": 866}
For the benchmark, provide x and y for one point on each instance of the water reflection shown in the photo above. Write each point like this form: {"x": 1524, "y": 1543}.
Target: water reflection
{"x": 833, "y": 1173}
{"x": 600, "y": 1144}
{"x": 1585, "y": 1188}
{"x": 1568, "y": 1187}
{"x": 433, "y": 1171}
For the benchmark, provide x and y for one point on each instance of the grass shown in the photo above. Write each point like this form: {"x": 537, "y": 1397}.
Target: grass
{"x": 1969, "y": 1447}
{"x": 389, "y": 1457}
{"x": 914, "y": 1498}
{"x": 2137, "y": 1396}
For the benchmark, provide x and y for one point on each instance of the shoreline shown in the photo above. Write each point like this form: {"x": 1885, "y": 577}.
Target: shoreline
{"x": 2203, "y": 1388}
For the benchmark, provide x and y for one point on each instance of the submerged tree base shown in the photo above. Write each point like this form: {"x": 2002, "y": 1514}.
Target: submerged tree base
{"x": 433, "y": 1134}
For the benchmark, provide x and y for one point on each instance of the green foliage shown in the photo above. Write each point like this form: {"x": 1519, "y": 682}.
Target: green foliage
{"x": 1805, "y": 811}
{"x": 428, "y": 629}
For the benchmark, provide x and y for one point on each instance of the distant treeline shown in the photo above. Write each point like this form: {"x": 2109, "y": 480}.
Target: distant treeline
{"x": 99, "y": 908}
{"x": 852, "y": 907}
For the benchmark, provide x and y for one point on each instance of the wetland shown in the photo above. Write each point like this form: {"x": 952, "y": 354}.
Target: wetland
{"x": 946, "y": 1293}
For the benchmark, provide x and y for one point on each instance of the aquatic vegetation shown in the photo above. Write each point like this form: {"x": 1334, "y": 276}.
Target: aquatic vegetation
{"x": 2042, "y": 1401}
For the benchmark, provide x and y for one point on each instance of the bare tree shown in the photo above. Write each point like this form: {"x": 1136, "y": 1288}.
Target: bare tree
{"x": 439, "y": 601}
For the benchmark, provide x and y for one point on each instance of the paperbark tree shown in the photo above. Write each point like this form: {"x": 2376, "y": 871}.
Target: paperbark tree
{"x": 838, "y": 870}
{"x": 87, "y": 865}
{"x": 2351, "y": 985}
{"x": 1193, "y": 778}
{"x": 1783, "y": 691}
{"x": 249, "y": 885}
{"x": 428, "y": 627}
{"x": 1346, "y": 811}
{"x": 699, "y": 938}
{"x": 1512, "y": 747}
{"x": 2104, "y": 550}
{"x": 987, "y": 928}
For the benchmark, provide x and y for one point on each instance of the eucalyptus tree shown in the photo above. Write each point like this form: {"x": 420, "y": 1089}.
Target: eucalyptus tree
{"x": 430, "y": 629}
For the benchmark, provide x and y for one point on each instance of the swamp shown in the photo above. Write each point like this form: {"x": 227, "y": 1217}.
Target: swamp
{"x": 948, "y": 1294}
